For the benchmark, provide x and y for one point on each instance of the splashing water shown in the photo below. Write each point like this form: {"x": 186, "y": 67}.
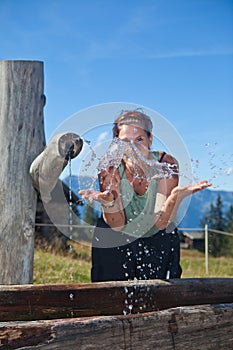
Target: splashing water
{"x": 218, "y": 166}
{"x": 87, "y": 172}
{"x": 143, "y": 167}
{"x": 139, "y": 297}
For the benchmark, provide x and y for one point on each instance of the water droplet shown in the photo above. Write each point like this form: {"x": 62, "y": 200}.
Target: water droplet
{"x": 228, "y": 171}
{"x": 130, "y": 307}
{"x": 71, "y": 296}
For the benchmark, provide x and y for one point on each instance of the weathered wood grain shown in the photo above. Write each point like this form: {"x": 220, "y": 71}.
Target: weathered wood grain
{"x": 35, "y": 302}
{"x": 21, "y": 140}
{"x": 203, "y": 327}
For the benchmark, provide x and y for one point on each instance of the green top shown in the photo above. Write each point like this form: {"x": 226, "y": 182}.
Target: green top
{"x": 139, "y": 209}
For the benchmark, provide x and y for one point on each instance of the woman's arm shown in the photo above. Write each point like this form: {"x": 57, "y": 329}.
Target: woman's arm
{"x": 109, "y": 197}
{"x": 113, "y": 213}
{"x": 170, "y": 165}
{"x": 166, "y": 208}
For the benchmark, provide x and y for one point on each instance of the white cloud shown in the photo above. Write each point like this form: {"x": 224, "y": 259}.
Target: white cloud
{"x": 102, "y": 137}
{"x": 191, "y": 53}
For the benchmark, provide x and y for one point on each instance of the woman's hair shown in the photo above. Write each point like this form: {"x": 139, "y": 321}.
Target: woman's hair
{"x": 136, "y": 118}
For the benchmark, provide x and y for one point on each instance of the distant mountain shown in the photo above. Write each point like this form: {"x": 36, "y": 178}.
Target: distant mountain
{"x": 81, "y": 183}
{"x": 200, "y": 204}
{"x": 198, "y": 207}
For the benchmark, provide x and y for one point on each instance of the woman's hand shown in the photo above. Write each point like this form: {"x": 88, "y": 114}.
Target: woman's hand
{"x": 104, "y": 197}
{"x": 109, "y": 197}
{"x": 184, "y": 191}
{"x": 166, "y": 208}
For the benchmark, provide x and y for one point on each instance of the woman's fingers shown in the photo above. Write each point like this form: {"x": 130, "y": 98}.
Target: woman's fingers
{"x": 87, "y": 194}
{"x": 97, "y": 196}
{"x": 200, "y": 186}
{"x": 203, "y": 184}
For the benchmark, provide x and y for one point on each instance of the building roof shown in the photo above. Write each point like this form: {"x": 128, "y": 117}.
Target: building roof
{"x": 194, "y": 235}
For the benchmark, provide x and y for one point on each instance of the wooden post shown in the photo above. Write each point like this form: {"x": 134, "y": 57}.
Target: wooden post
{"x": 206, "y": 250}
{"x": 21, "y": 140}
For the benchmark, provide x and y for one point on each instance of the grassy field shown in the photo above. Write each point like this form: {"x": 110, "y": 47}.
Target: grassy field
{"x": 51, "y": 268}
{"x": 193, "y": 265}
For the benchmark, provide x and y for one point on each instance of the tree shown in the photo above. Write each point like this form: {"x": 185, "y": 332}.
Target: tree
{"x": 229, "y": 216}
{"x": 229, "y": 228}
{"x": 215, "y": 220}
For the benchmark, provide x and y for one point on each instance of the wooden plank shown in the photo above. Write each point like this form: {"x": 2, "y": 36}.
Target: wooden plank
{"x": 34, "y": 302}
{"x": 201, "y": 327}
{"x": 21, "y": 140}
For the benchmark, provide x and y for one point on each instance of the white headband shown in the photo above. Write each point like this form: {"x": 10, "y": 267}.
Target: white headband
{"x": 132, "y": 120}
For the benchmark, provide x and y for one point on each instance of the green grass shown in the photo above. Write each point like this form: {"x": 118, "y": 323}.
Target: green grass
{"x": 51, "y": 268}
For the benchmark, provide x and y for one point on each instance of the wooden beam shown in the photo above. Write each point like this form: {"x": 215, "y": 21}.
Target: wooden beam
{"x": 183, "y": 328}
{"x": 35, "y": 302}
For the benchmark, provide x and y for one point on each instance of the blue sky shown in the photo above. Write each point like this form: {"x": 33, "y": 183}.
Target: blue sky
{"x": 172, "y": 56}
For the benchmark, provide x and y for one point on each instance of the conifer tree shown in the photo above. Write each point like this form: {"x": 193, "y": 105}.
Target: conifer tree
{"x": 229, "y": 228}
{"x": 215, "y": 220}
{"x": 229, "y": 217}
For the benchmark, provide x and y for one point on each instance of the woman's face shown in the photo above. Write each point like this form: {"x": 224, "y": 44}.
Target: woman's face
{"x": 137, "y": 136}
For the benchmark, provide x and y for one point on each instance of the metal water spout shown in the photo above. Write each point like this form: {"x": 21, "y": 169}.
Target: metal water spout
{"x": 48, "y": 165}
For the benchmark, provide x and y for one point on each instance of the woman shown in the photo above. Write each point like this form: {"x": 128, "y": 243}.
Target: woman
{"x": 135, "y": 237}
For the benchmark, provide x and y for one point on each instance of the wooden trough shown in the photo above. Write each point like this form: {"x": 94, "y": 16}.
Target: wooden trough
{"x": 174, "y": 314}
